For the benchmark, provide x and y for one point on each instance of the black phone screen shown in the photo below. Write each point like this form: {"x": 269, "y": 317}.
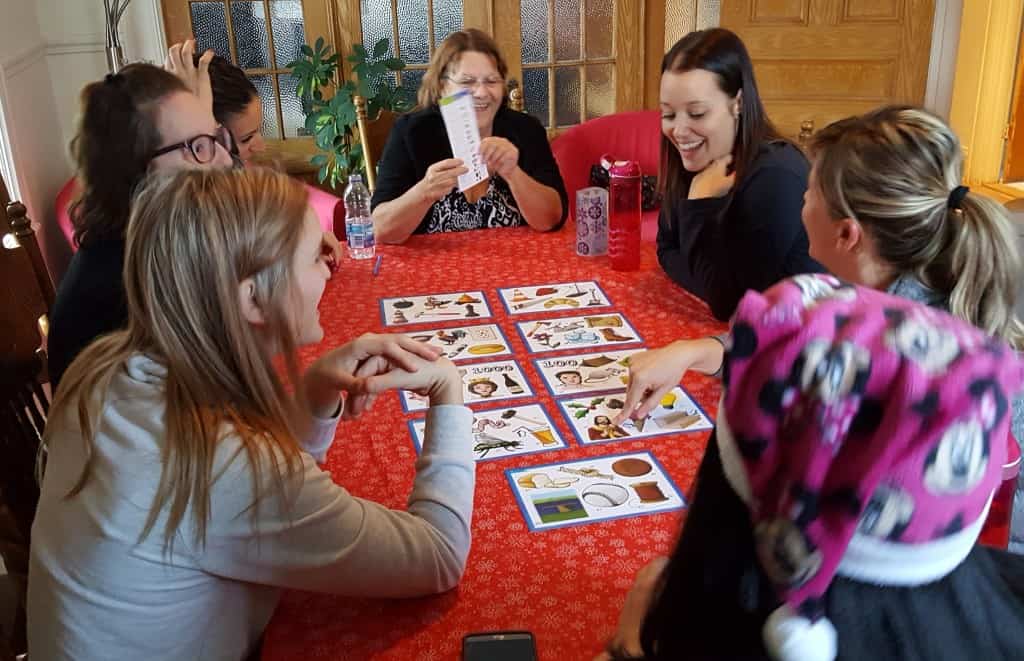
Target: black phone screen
{"x": 509, "y": 646}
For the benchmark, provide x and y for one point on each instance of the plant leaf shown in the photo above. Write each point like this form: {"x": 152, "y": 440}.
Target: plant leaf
{"x": 381, "y": 47}
{"x": 394, "y": 64}
{"x": 306, "y": 50}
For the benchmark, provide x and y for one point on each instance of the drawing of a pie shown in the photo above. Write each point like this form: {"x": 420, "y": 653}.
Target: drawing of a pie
{"x": 631, "y": 467}
{"x": 604, "y": 321}
{"x": 597, "y": 361}
{"x": 484, "y": 349}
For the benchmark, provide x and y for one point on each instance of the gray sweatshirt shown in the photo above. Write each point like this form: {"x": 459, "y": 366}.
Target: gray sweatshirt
{"x": 95, "y": 592}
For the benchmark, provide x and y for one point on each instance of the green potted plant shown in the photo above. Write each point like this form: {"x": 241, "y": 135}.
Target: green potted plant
{"x": 330, "y": 109}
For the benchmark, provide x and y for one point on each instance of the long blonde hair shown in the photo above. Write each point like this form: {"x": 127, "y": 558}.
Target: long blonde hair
{"x": 192, "y": 239}
{"x": 448, "y": 53}
{"x": 892, "y": 170}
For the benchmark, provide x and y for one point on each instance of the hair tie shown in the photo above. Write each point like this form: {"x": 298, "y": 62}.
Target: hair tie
{"x": 113, "y": 78}
{"x": 956, "y": 197}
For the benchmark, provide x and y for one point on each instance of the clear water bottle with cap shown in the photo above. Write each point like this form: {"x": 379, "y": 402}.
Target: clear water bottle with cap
{"x": 358, "y": 221}
{"x": 624, "y": 194}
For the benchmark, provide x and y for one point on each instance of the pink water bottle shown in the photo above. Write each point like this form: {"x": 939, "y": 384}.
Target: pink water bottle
{"x": 624, "y": 192}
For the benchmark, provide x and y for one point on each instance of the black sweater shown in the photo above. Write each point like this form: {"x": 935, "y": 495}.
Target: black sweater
{"x": 718, "y": 248}
{"x": 419, "y": 139}
{"x": 90, "y": 302}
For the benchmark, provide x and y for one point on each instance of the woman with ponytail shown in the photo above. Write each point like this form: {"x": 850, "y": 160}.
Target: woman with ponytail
{"x": 133, "y": 122}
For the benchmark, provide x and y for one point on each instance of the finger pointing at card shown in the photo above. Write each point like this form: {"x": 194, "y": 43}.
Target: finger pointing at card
{"x": 499, "y": 155}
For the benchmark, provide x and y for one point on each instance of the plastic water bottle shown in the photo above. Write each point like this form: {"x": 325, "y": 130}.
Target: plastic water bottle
{"x": 624, "y": 193}
{"x": 358, "y": 222}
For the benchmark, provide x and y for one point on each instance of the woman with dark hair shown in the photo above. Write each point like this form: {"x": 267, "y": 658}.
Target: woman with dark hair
{"x": 141, "y": 119}
{"x": 859, "y": 441}
{"x": 416, "y": 183}
{"x": 237, "y": 105}
{"x": 732, "y": 185}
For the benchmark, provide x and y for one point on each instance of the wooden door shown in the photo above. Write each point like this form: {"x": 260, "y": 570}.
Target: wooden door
{"x": 822, "y": 60}
{"x": 1013, "y": 165}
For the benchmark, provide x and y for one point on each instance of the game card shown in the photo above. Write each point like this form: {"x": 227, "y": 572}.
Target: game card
{"x": 505, "y": 432}
{"x": 466, "y": 342}
{"x": 550, "y": 298}
{"x": 591, "y": 417}
{"x": 585, "y": 373}
{"x": 464, "y": 136}
{"x": 599, "y": 330}
{"x": 481, "y": 382}
{"x": 592, "y": 490}
{"x": 434, "y": 308}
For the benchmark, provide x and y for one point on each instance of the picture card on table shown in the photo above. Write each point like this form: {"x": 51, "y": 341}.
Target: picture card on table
{"x": 585, "y": 372}
{"x": 434, "y": 308}
{"x": 481, "y": 382}
{"x": 464, "y": 136}
{"x": 592, "y": 490}
{"x": 504, "y": 432}
{"x": 466, "y": 342}
{"x": 591, "y": 417}
{"x": 597, "y": 330}
{"x": 551, "y": 298}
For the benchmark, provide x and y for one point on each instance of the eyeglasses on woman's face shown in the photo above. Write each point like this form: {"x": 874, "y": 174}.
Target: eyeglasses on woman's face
{"x": 467, "y": 83}
{"x": 203, "y": 147}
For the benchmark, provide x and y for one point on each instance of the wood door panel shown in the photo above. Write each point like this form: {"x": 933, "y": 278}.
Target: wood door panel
{"x": 834, "y": 58}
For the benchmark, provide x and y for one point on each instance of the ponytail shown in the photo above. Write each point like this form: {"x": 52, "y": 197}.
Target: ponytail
{"x": 986, "y": 268}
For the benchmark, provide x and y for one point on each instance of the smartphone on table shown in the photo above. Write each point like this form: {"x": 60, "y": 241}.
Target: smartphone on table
{"x": 499, "y": 646}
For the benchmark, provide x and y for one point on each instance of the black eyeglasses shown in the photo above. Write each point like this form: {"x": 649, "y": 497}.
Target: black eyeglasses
{"x": 203, "y": 147}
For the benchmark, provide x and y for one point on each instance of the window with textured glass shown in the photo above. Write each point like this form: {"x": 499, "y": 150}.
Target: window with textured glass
{"x": 261, "y": 37}
{"x": 413, "y": 29}
{"x": 685, "y": 16}
{"x": 568, "y": 72}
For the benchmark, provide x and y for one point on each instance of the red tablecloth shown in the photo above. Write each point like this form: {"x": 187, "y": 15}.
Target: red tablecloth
{"x": 566, "y": 585}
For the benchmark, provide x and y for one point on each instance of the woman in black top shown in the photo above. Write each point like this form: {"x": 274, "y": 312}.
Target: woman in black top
{"x": 733, "y": 186}
{"x": 415, "y": 186}
{"x": 139, "y": 120}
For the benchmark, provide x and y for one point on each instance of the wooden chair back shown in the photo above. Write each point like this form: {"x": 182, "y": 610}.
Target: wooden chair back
{"x": 373, "y": 134}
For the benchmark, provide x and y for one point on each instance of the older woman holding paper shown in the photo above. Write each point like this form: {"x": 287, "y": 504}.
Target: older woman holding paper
{"x": 417, "y": 182}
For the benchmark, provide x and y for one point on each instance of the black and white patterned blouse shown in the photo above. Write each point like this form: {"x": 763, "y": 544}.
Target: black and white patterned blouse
{"x": 418, "y": 140}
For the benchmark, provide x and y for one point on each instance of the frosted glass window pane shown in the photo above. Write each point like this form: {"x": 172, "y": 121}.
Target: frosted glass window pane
{"x": 708, "y": 14}
{"x": 289, "y": 33}
{"x": 249, "y": 22}
{"x": 535, "y": 94}
{"x": 412, "y": 31}
{"x": 291, "y": 107}
{"x": 534, "y": 30}
{"x": 268, "y": 99}
{"x": 411, "y": 79}
{"x": 600, "y": 90}
{"x": 567, "y": 96}
{"x": 377, "y": 22}
{"x": 680, "y": 20}
{"x": 210, "y": 27}
{"x": 567, "y": 34}
{"x": 447, "y": 18}
{"x": 599, "y": 15}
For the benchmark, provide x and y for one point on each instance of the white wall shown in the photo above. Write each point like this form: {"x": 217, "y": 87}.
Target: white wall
{"x": 34, "y": 133}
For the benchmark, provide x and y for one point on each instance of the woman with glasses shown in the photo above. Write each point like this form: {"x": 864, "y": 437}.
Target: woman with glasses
{"x": 139, "y": 120}
{"x": 416, "y": 183}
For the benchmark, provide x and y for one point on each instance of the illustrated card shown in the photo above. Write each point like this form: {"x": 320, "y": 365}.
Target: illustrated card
{"x": 597, "y": 330}
{"x": 591, "y": 417}
{"x": 434, "y": 308}
{"x": 481, "y": 382}
{"x": 464, "y": 136}
{"x": 505, "y": 432}
{"x": 586, "y": 372}
{"x": 466, "y": 342}
{"x": 552, "y": 298}
{"x": 592, "y": 490}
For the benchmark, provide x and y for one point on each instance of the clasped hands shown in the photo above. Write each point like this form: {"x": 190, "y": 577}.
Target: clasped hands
{"x": 375, "y": 363}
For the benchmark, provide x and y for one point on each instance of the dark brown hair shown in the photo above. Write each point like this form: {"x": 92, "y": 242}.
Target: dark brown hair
{"x": 722, "y": 53}
{"x": 457, "y": 43}
{"x": 117, "y": 135}
{"x": 233, "y": 91}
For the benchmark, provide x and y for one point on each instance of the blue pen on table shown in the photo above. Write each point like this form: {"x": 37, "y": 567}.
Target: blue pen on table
{"x": 376, "y": 265}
